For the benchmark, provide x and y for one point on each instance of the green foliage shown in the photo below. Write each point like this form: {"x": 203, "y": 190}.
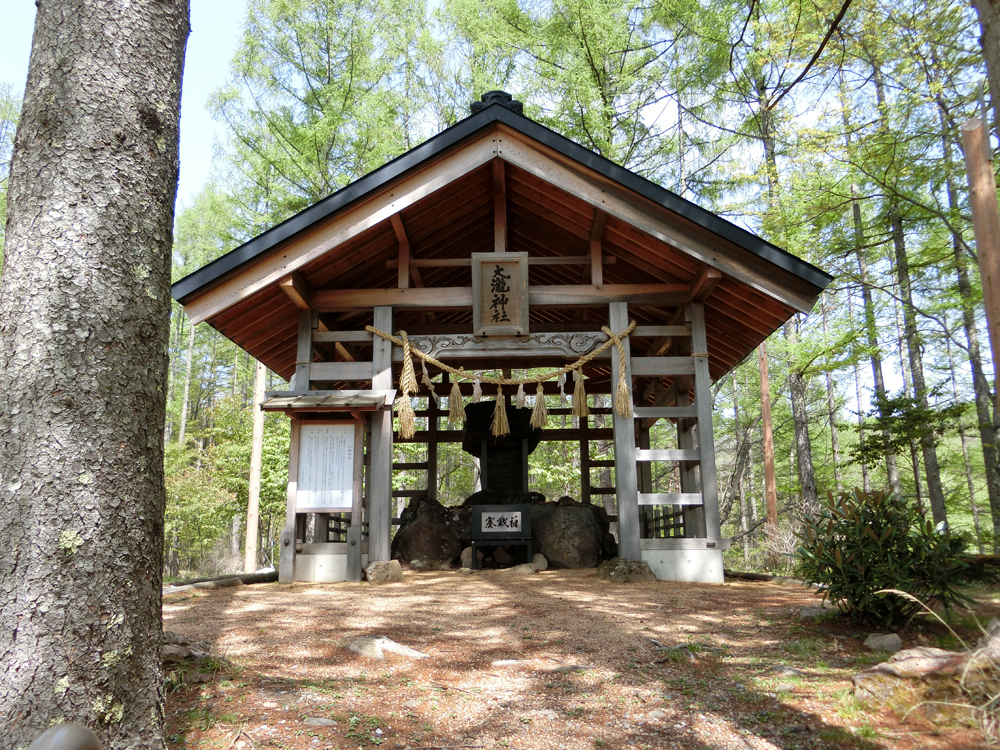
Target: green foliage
{"x": 860, "y": 544}
{"x": 895, "y": 421}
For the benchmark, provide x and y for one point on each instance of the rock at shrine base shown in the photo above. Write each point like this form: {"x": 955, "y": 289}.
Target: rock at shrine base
{"x": 688, "y": 565}
{"x": 621, "y": 570}
{"x": 425, "y": 540}
{"x": 568, "y": 536}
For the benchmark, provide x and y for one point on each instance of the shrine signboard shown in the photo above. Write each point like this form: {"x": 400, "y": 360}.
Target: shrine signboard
{"x": 500, "y": 294}
{"x": 326, "y": 468}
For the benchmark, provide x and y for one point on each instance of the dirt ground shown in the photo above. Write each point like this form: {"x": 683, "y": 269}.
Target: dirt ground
{"x": 554, "y": 660}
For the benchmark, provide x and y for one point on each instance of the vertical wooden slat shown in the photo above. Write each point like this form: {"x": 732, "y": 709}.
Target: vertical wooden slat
{"x": 626, "y": 481}
{"x": 499, "y": 207}
{"x": 357, "y": 514}
{"x": 692, "y": 515}
{"x": 596, "y": 261}
{"x": 380, "y": 471}
{"x": 286, "y": 559}
{"x": 585, "y": 460}
{"x": 432, "y": 446}
{"x": 645, "y": 470}
{"x": 706, "y": 437}
{"x": 303, "y": 353}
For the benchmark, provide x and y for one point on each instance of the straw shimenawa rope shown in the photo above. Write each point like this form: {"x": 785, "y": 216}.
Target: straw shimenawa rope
{"x": 539, "y": 417}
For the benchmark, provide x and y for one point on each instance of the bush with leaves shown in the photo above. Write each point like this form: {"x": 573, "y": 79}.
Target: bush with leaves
{"x": 859, "y": 544}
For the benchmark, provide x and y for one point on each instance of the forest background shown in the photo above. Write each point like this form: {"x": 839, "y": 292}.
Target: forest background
{"x": 829, "y": 128}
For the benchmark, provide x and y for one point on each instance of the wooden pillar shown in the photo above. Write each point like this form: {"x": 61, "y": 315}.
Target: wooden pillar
{"x": 645, "y": 484}
{"x": 706, "y": 436}
{"x": 432, "y": 446}
{"x": 354, "y": 535}
{"x": 303, "y": 352}
{"x": 693, "y": 515}
{"x": 286, "y": 560}
{"x": 626, "y": 481}
{"x": 585, "y": 460}
{"x": 380, "y": 499}
{"x": 256, "y": 455}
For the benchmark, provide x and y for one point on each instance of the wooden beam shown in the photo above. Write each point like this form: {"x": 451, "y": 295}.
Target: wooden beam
{"x": 655, "y": 220}
{"x": 704, "y": 283}
{"x": 343, "y": 227}
{"x": 403, "y": 277}
{"x": 662, "y": 366}
{"x": 646, "y": 454}
{"x": 560, "y": 295}
{"x": 546, "y": 260}
{"x": 337, "y": 371}
{"x": 499, "y": 207}
{"x": 596, "y": 232}
{"x": 670, "y": 498}
{"x": 297, "y": 289}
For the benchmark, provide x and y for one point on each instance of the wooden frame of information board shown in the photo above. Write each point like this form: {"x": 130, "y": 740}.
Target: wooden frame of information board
{"x": 500, "y": 294}
{"x": 328, "y": 479}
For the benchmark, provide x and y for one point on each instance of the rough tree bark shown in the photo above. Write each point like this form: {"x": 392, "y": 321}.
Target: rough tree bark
{"x": 84, "y": 304}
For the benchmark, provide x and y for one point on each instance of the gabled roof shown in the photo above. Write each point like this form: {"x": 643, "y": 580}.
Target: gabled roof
{"x": 440, "y": 199}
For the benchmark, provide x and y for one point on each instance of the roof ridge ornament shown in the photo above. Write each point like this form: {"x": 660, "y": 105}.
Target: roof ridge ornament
{"x": 497, "y": 97}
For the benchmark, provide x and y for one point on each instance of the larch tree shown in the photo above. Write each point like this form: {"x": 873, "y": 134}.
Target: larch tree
{"x": 84, "y": 301}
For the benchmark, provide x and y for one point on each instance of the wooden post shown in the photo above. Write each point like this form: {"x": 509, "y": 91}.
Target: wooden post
{"x": 986, "y": 226}
{"x": 645, "y": 470}
{"x": 499, "y": 207}
{"x": 303, "y": 352}
{"x": 626, "y": 480}
{"x": 706, "y": 437}
{"x": 380, "y": 498}
{"x": 354, "y": 535}
{"x": 256, "y": 453}
{"x": 432, "y": 446}
{"x": 585, "y": 460}
{"x": 286, "y": 561}
{"x": 693, "y": 515}
{"x": 770, "y": 483}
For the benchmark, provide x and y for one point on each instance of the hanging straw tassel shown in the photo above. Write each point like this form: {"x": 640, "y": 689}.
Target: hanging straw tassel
{"x": 456, "y": 409}
{"x": 408, "y": 385}
{"x": 500, "y": 424}
{"x": 520, "y": 395}
{"x": 426, "y": 378}
{"x": 477, "y": 392}
{"x": 579, "y": 395}
{"x": 540, "y": 414}
{"x": 562, "y": 388}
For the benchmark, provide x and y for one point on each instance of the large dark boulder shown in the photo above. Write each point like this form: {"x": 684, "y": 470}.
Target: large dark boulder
{"x": 425, "y": 537}
{"x": 568, "y": 535}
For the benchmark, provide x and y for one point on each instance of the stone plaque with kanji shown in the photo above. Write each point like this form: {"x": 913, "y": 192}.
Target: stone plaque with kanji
{"x": 500, "y": 294}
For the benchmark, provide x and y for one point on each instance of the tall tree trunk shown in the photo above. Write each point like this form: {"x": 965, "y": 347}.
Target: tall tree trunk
{"x": 911, "y": 332}
{"x": 866, "y": 482}
{"x": 868, "y": 301}
{"x": 928, "y": 441}
{"x": 970, "y": 484}
{"x": 770, "y": 480}
{"x": 740, "y": 484}
{"x": 186, "y": 398}
{"x": 985, "y": 415}
{"x": 831, "y": 407}
{"x": 84, "y": 311}
{"x": 800, "y": 423}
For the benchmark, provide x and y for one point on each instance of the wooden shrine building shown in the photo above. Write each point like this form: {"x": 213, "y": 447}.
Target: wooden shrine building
{"x": 412, "y": 246}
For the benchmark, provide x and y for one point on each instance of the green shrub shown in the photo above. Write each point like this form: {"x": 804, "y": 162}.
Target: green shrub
{"x": 860, "y": 544}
